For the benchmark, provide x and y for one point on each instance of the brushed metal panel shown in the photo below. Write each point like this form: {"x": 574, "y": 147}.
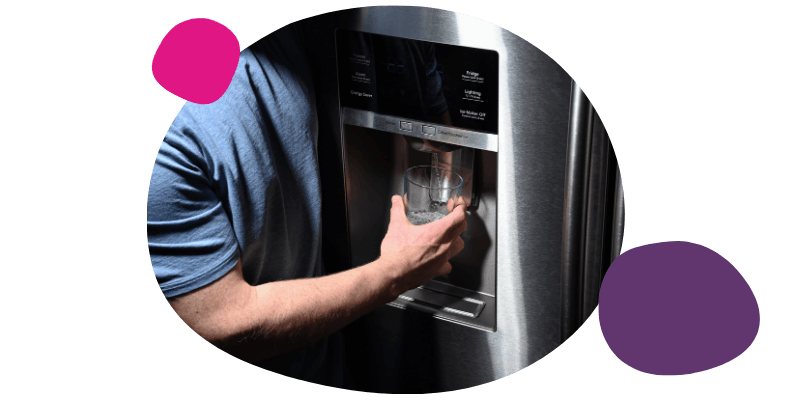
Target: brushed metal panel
{"x": 439, "y": 133}
{"x": 534, "y": 94}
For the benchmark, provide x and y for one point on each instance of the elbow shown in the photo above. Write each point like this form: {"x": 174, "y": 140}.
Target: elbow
{"x": 215, "y": 333}
{"x": 251, "y": 345}
{"x": 222, "y": 332}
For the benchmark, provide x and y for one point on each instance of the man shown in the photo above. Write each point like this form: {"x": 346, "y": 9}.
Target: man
{"x": 234, "y": 224}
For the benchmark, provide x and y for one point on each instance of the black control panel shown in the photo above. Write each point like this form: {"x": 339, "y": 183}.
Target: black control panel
{"x": 432, "y": 82}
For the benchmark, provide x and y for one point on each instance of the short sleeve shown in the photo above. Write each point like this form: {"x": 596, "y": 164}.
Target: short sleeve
{"x": 189, "y": 235}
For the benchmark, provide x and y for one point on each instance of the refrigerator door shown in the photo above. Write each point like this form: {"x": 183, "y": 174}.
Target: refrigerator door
{"x": 406, "y": 351}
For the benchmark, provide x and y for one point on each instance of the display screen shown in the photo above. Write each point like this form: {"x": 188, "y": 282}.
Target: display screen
{"x": 432, "y": 82}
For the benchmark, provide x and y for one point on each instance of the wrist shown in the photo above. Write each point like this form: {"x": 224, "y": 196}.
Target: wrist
{"x": 384, "y": 272}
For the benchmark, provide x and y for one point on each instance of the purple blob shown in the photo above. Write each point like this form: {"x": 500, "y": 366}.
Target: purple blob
{"x": 676, "y": 308}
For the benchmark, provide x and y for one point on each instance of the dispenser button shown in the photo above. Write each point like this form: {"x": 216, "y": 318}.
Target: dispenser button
{"x": 428, "y": 130}
{"x": 406, "y": 126}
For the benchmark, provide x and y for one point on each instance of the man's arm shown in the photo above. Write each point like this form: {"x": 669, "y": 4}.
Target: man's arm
{"x": 256, "y": 322}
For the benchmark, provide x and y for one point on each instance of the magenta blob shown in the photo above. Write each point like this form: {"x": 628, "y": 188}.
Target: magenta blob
{"x": 196, "y": 60}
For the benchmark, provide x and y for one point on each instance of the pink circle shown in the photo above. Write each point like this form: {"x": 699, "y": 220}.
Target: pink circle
{"x": 196, "y": 60}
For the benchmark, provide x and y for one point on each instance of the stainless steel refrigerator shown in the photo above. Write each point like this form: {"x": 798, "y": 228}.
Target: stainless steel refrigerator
{"x": 546, "y": 210}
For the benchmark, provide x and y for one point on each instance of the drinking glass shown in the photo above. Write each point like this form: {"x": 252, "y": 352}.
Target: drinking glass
{"x": 427, "y": 191}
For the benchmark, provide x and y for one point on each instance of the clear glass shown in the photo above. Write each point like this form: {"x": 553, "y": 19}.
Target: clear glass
{"x": 428, "y": 190}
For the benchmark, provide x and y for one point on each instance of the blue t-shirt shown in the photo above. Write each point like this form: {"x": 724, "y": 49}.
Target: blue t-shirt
{"x": 238, "y": 179}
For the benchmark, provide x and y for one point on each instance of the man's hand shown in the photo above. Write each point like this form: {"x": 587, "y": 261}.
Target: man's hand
{"x": 412, "y": 255}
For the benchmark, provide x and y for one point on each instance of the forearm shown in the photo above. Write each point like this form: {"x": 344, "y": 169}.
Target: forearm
{"x": 255, "y": 323}
{"x": 269, "y": 319}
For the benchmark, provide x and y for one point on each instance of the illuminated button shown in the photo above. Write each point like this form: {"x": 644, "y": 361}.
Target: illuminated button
{"x": 406, "y": 126}
{"x": 428, "y": 130}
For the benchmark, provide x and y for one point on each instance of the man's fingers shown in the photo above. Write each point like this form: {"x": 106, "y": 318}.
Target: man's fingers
{"x": 454, "y": 223}
{"x": 453, "y": 203}
{"x": 457, "y": 246}
{"x": 398, "y": 213}
{"x": 444, "y": 269}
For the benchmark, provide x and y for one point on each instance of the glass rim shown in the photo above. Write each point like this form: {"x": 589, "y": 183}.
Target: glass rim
{"x": 460, "y": 183}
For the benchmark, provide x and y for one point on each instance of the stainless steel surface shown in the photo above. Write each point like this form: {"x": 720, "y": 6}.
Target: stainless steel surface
{"x": 574, "y": 212}
{"x": 619, "y": 219}
{"x": 591, "y": 209}
{"x": 444, "y": 134}
{"x": 402, "y": 351}
{"x": 597, "y": 216}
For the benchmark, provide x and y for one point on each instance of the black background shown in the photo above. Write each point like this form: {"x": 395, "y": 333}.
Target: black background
{"x": 673, "y": 91}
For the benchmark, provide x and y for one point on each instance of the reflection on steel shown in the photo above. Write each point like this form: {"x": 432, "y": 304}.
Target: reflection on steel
{"x": 574, "y": 212}
{"x": 597, "y": 217}
{"x": 619, "y": 219}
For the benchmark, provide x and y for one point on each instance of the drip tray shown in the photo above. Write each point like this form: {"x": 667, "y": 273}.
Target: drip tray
{"x": 451, "y": 303}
